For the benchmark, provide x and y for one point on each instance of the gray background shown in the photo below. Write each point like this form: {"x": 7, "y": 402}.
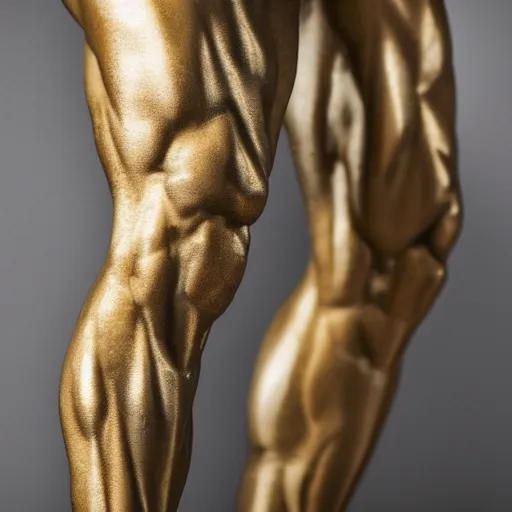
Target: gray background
{"x": 447, "y": 445}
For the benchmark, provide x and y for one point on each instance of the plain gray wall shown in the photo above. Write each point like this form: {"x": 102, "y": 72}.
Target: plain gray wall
{"x": 447, "y": 445}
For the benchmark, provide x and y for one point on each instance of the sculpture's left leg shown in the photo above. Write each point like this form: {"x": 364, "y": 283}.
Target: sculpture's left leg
{"x": 371, "y": 123}
{"x": 187, "y": 99}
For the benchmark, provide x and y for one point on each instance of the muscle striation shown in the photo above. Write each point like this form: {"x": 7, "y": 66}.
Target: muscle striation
{"x": 371, "y": 124}
{"x": 187, "y": 99}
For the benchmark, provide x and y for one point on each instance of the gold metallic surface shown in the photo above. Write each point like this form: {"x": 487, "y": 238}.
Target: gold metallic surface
{"x": 187, "y": 99}
{"x": 371, "y": 124}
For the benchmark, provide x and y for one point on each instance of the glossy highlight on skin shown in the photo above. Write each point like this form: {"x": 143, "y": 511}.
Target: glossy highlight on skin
{"x": 187, "y": 100}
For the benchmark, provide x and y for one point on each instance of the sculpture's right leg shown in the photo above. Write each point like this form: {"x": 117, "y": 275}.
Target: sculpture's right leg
{"x": 371, "y": 125}
{"x": 187, "y": 99}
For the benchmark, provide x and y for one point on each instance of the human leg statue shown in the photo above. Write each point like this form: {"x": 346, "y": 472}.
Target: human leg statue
{"x": 187, "y": 99}
{"x": 371, "y": 124}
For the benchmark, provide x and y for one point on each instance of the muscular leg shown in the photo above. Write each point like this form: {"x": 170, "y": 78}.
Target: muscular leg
{"x": 187, "y": 99}
{"x": 371, "y": 123}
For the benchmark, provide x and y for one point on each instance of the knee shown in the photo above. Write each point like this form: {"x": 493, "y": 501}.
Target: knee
{"x": 446, "y": 232}
{"x": 211, "y": 168}
{"x": 207, "y": 169}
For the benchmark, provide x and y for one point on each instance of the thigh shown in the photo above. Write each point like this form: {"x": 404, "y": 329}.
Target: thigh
{"x": 182, "y": 59}
{"x": 401, "y": 57}
{"x": 165, "y": 78}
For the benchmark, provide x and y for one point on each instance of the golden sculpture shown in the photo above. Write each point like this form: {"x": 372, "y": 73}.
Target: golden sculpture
{"x": 187, "y": 99}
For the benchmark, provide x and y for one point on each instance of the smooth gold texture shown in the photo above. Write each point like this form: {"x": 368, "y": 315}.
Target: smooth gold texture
{"x": 371, "y": 124}
{"x": 187, "y": 99}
